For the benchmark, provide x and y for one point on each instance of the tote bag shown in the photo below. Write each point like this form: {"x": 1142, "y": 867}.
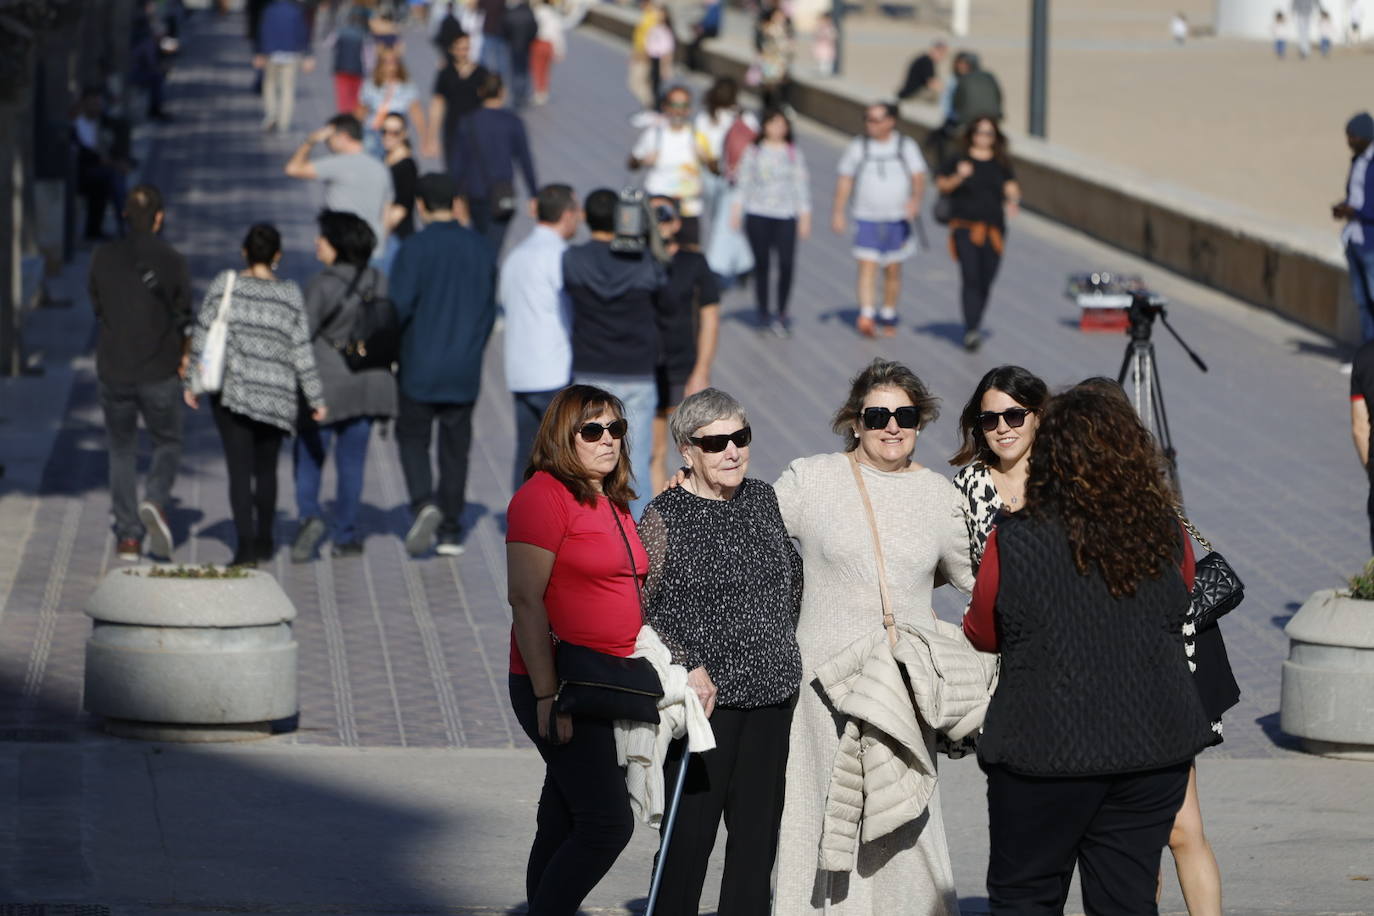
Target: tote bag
{"x": 209, "y": 374}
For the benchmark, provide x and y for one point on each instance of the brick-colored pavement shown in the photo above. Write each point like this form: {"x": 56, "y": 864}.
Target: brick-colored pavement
{"x": 405, "y": 653}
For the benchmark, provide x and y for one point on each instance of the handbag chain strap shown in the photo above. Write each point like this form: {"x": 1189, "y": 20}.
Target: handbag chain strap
{"x": 639, "y": 592}
{"x": 889, "y": 619}
{"x": 1192, "y": 530}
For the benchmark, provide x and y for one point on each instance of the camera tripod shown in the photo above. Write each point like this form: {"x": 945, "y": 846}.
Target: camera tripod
{"x": 1138, "y": 365}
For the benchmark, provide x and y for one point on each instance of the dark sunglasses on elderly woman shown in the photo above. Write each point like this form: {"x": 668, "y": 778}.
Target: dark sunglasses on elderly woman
{"x": 592, "y": 432}
{"x": 712, "y": 444}
{"x": 878, "y": 417}
{"x": 1015, "y": 417}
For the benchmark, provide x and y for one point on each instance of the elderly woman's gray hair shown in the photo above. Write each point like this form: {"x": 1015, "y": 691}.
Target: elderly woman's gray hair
{"x": 702, "y": 409}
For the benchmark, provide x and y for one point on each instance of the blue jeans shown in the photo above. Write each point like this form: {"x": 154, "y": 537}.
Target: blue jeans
{"x": 350, "y": 458}
{"x": 1361, "y": 264}
{"x": 529, "y": 413}
{"x": 640, "y": 397}
{"x": 496, "y": 56}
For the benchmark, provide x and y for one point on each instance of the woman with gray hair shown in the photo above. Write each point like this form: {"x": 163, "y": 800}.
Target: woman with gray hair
{"x": 723, "y": 593}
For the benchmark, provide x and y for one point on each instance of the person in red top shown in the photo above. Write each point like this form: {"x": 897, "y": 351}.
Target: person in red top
{"x": 575, "y": 565}
{"x": 1091, "y": 733}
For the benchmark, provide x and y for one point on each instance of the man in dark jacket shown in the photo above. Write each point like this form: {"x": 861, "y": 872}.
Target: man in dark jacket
{"x": 521, "y": 29}
{"x": 443, "y": 286}
{"x": 140, "y": 289}
{"x": 976, "y": 92}
{"x": 615, "y": 331}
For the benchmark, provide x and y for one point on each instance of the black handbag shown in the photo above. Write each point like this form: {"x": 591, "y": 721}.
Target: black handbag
{"x": 943, "y": 211}
{"x": 599, "y": 685}
{"x": 1217, "y": 590}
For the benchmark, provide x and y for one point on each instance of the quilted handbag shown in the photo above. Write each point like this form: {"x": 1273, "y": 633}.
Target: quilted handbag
{"x": 1217, "y": 590}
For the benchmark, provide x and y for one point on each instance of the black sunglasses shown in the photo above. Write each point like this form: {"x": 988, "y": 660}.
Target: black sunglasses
{"x": 712, "y": 444}
{"x": 1015, "y": 417}
{"x": 592, "y": 432}
{"x": 878, "y": 417}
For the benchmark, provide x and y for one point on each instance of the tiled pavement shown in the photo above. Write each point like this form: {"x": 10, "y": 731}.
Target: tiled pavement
{"x": 396, "y": 652}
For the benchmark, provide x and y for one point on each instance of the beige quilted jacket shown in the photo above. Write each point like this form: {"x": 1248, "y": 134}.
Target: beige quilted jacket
{"x": 884, "y": 772}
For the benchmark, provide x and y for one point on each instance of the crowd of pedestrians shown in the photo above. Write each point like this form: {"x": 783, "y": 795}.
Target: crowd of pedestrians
{"x": 791, "y": 621}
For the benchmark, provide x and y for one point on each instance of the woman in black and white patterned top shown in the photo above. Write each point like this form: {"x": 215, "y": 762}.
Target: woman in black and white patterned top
{"x": 997, "y": 428}
{"x": 723, "y": 593}
{"x": 267, "y": 360}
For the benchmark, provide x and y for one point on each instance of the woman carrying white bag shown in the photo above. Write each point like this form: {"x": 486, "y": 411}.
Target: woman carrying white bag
{"x": 251, "y": 353}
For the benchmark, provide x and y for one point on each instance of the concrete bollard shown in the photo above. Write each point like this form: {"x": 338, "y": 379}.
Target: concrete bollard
{"x": 1328, "y": 679}
{"x": 190, "y": 659}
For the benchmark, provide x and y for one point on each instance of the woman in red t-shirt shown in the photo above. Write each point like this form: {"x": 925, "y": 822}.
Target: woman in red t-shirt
{"x": 574, "y": 564}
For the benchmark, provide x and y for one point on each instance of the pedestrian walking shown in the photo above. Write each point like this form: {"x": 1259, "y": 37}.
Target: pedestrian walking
{"x": 705, "y": 28}
{"x": 400, "y": 218}
{"x": 389, "y": 90}
{"x": 1354, "y": 15}
{"x": 724, "y": 590}
{"x": 675, "y": 157}
{"x": 1357, "y": 211}
{"x": 550, "y": 45}
{"x": 688, "y": 312}
{"x": 615, "y": 332}
{"x": 1178, "y": 28}
{"x": 521, "y": 29}
{"x": 140, "y": 289}
{"x": 645, "y": 77}
{"x": 538, "y": 338}
{"x": 575, "y": 565}
{"x": 268, "y": 365}
{"x": 1326, "y": 32}
{"x": 996, "y": 433}
{"x": 490, "y": 145}
{"x": 349, "y": 43}
{"x": 357, "y": 399}
{"x": 982, "y": 190}
{"x": 774, "y": 47}
{"x": 1302, "y": 24}
{"x": 354, "y": 182}
{"x": 495, "y": 50}
{"x": 922, "y": 536}
{"x": 1096, "y": 719}
{"x": 443, "y": 289}
{"x": 883, "y": 177}
{"x": 825, "y": 45}
{"x": 729, "y": 131}
{"x": 454, "y": 96}
{"x": 923, "y": 74}
{"x": 774, "y": 208}
{"x": 1281, "y": 31}
{"x": 101, "y": 174}
{"x": 283, "y": 51}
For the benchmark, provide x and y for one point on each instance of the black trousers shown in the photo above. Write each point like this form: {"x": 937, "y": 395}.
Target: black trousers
{"x": 977, "y": 268}
{"x": 1113, "y": 827}
{"x": 414, "y": 429}
{"x": 250, "y": 454}
{"x": 742, "y": 779}
{"x": 584, "y": 819}
{"x": 767, "y": 235}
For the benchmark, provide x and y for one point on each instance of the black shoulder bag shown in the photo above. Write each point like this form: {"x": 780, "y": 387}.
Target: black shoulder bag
{"x": 373, "y": 341}
{"x": 598, "y": 685}
{"x": 1217, "y": 590}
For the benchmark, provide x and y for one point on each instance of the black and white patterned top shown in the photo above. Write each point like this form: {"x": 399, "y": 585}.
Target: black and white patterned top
{"x": 268, "y": 355}
{"x": 724, "y": 590}
{"x": 981, "y": 505}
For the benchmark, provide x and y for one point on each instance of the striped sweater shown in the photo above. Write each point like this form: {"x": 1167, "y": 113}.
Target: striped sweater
{"x": 268, "y": 355}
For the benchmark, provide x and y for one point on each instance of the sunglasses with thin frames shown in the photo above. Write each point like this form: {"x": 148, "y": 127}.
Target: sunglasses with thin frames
{"x": 1015, "y": 417}
{"x": 592, "y": 432}
{"x": 878, "y": 417}
{"x": 712, "y": 444}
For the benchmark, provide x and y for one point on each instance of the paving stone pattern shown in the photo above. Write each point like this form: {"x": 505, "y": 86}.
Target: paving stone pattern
{"x": 397, "y": 652}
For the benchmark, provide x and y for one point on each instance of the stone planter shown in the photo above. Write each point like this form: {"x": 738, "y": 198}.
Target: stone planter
{"x": 1328, "y": 679}
{"x": 190, "y": 659}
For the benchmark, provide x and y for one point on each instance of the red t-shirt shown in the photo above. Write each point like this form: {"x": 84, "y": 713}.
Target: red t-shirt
{"x": 591, "y": 596}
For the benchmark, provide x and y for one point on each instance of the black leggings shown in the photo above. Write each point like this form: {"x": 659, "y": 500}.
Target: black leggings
{"x": 767, "y": 234}
{"x": 978, "y": 267}
{"x": 250, "y": 453}
{"x": 584, "y": 819}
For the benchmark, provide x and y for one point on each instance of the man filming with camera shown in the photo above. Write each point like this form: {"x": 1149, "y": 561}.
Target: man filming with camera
{"x": 612, "y": 282}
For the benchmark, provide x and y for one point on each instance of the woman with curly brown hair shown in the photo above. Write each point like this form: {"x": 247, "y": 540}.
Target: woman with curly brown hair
{"x": 1096, "y": 719}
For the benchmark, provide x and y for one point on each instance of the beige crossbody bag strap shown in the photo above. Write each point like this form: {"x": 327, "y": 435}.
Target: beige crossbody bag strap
{"x": 889, "y": 621}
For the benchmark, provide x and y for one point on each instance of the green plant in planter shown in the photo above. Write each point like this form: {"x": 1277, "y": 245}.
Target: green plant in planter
{"x": 192, "y": 572}
{"x": 1362, "y": 585}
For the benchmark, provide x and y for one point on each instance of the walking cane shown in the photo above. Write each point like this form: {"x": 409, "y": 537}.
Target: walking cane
{"x": 668, "y": 830}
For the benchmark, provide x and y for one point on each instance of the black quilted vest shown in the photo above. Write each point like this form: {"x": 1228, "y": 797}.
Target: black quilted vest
{"x": 1090, "y": 684}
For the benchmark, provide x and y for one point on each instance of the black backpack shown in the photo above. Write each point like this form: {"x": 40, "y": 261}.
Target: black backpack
{"x": 374, "y": 339}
